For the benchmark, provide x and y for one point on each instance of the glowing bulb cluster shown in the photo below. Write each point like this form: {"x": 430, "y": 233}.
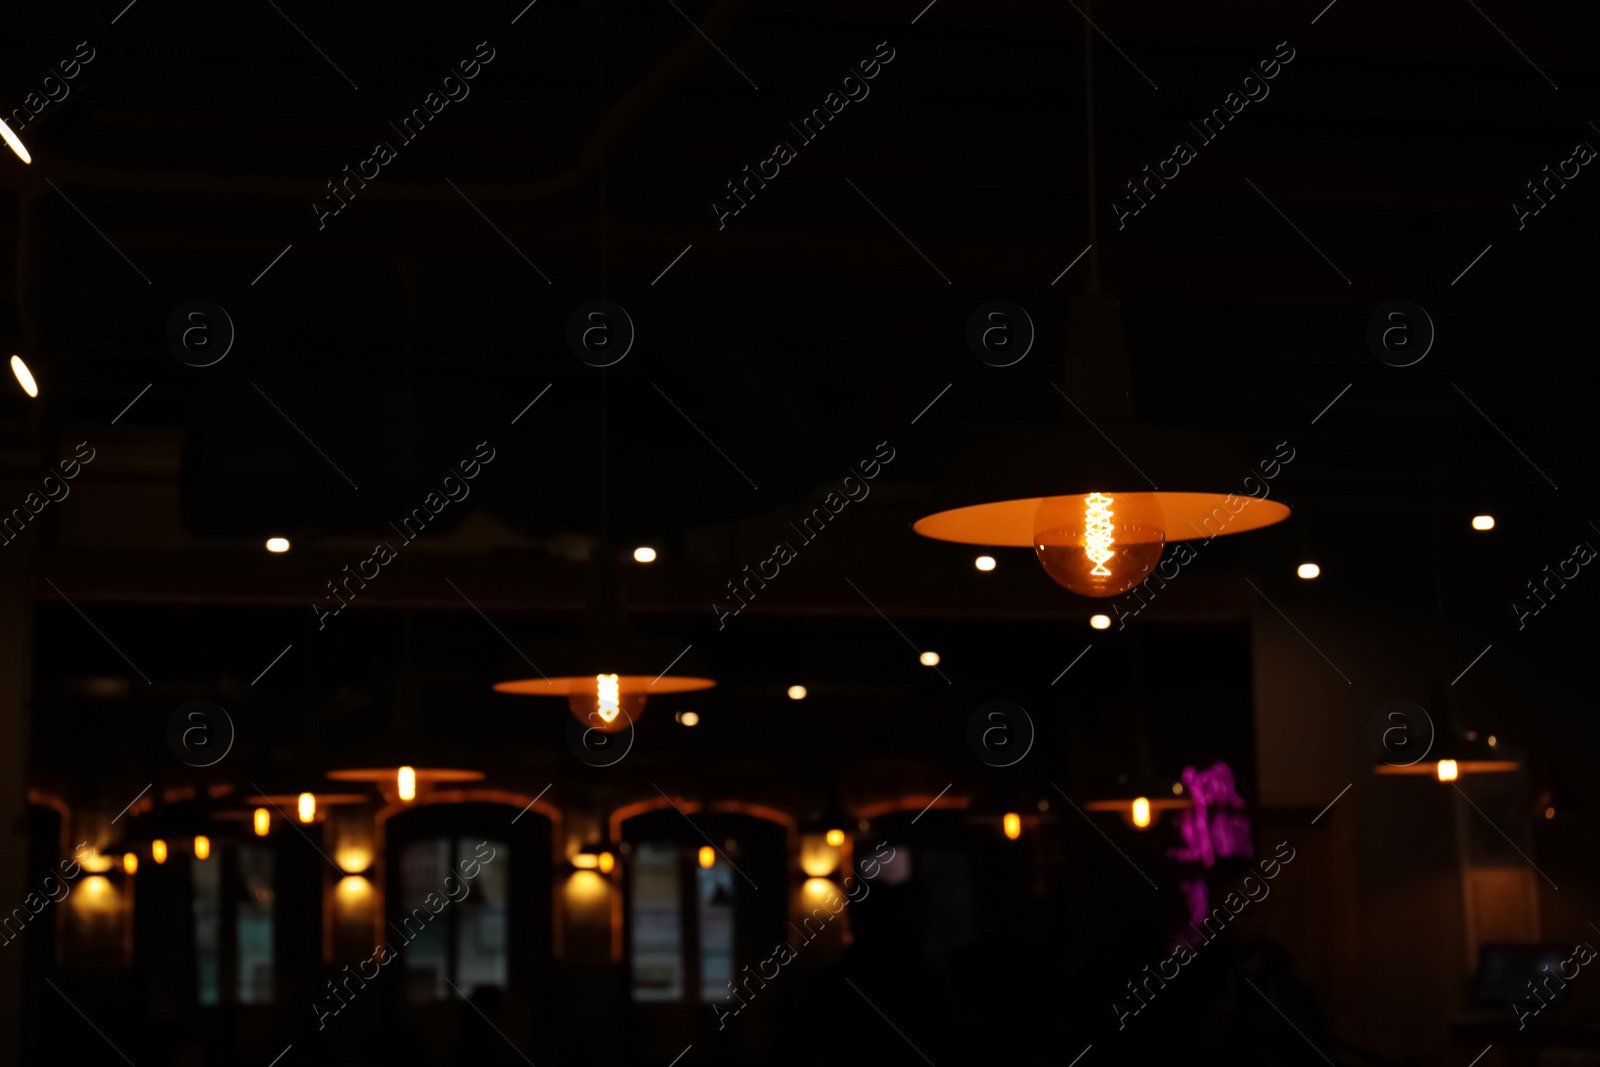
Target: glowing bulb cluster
{"x": 609, "y": 697}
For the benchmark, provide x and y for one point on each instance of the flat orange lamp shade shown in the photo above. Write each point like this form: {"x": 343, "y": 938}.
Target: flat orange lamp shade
{"x": 1010, "y": 523}
{"x": 1157, "y": 805}
{"x": 1465, "y": 766}
{"x": 583, "y": 685}
{"x": 387, "y": 774}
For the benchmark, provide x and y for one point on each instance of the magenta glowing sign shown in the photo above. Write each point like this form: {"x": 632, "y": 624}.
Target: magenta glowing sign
{"x": 1215, "y": 827}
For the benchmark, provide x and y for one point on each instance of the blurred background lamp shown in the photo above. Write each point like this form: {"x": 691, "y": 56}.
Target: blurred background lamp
{"x": 1308, "y": 570}
{"x": 1483, "y": 522}
{"x": 24, "y": 376}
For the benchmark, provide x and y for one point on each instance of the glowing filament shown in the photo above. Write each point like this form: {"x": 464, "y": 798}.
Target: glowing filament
{"x": 158, "y": 850}
{"x": 1097, "y": 532}
{"x": 308, "y": 807}
{"x": 1012, "y": 823}
{"x": 609, "y": 696}
{"x": 1141, "y": 812}
{"x": 1447, "y": 770}
{"x": 263, "y": 821}
{"x": 406, "y": 783}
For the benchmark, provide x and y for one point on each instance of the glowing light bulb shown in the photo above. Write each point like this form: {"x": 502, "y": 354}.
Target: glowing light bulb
{"x": 1549, "y": 813}
{"x": 1100, "y": 544}
{"x": 1100, "y": 622}
{"x": 202, "y": 847}
{"x": 708, "y": 856}
{"x": 24, "y": 376}
{"x": 158, "y": 851}
{"x": 15, "y": 142}
{"x": 1141, "y": 812}
{"x": 263, "y": 822}
{"x": 1308, "y": 571}
{"x": 1012, "y": 824}
{"x": 1483, "y": 522}
{"x": 405, "y": 783}
{"x": 130, "y": 862}
{"x": 644, "y": 554}
{"x": 929, "y": 659}
{"x": 797, "y": 692}
{"x": 835, "y": 838}
{"x": 608, "y": 696}
{"x": 688, "y": 718}
{"x": 608, "y": 863}
{"x": 308, "y": 807}
{"x": 984, "y": 563}
{"x": 277, "y": 545}
{"x": 1493, "y": 741}
{"x": 1447, "y": 770}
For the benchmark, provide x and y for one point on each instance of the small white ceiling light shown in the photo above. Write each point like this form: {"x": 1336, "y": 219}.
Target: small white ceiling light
{"x": 24, "y": 376}
{"x": 1308, "y": 570}
{"x": 15, "y": 142}
{"x": 277, "y": 544}
{"x": 929, "y": 659}
{"x": 797, "y": 692}
{"x": 688, "y": 718}
{"x": 1483, "y": 522}
{"x": 644, "y": 554}
{"x": 984, "y": 563}
{"x": 1100, "y": 622}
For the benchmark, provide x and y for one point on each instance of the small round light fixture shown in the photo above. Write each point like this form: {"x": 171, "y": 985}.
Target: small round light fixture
{"x": 130, "y": 863}
{"x": 1012, "y": 825}
{"x": 1308, "y": 571}
{"x": 984, "y": 563}
{"x": 24, "y": 376}
{"x": 607, "y": 863}
{"x": 797, "y": 692}
{"x": 835, "y": 838}
{"x": 929, "y": 659}
{"x": 202, "y": 847}
{"x": 1483, "y": 522}
{"x": 708, "y": 857}
{"x": 262, "y": 820}
{"x": 644, "y": 554}
{"x": 1100, "y": 622}
{"x": 688, "y": 718}
{"x": 1549, "y": 813}
{"x": 158, "y": 850}
{"x": 277, "y": 545}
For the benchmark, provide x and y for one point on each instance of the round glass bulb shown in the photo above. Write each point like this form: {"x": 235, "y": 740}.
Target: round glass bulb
{"x": 605, "y": 707}
{"x": 1099, "y": 544}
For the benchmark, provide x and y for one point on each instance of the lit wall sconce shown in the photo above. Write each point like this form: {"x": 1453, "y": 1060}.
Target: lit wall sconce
{"x": 598, "y": 856}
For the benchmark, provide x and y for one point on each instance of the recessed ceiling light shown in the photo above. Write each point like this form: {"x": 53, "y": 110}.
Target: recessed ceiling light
{"x": 15, "y": 142}
{"x": 644, "y": 554}
{"x": 797, "y": 692}
{"x": 984, "y": 563}
{"x": 24, "y": 376}
{"x": 1483, "y": 522}
{"x": 1100, "y": 622}
{"x": 929, "y": 659}
{"x": 688, "y": 718}
{"x": 1308, "y": 570}
{"x": 277, "y": 544}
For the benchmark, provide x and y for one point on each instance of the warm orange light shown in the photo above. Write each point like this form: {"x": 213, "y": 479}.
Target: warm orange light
{"x": 835, "y": 838}
{"x": 308, "y": 807}
{"x": 608, "y": 863}
{"x": 1308, "y": 571}
{"x": 1447, "y": 770}
{"x": 644, "y": 554}
{"x": 1483, "y": 522}
{"x": 984, "y": 563}
{"x": 405, "y": 782}
{"x": 24, "y": 376}
{"x": 353, "y": 889}
{"x": 1549, "y": 813}
{"x": 15, "y": 142}
{"x": 1099, "y": 544}
{"x": 797, "y": 692}
{"x": 929, "y": 659}
{"x": 158, "y": 851}
{"x": 202, "y": 847}
{"x": 1141, "y": 812}
{"x": 277, "y": 545}
{"x": 1012, "y": 823}
{"x": 263, "y": 821}
{"x": 130, "y": 862}
{"x": 1100, "y": 622}
{"x": 608, "y": 697}
{"x": 708, "y": 856}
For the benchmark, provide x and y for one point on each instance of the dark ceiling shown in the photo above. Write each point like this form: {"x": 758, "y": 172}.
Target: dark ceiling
{"x": 776, "y": 352}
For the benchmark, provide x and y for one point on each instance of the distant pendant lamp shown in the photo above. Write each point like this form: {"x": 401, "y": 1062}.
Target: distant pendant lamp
{"x": 1141, "y": 802}
{"x": 608, "y": 670}
{"x": 395, "y": 783}
{"x": 1454, "y": 751}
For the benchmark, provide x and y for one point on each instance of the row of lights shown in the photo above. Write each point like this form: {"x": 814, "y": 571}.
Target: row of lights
{"x": 276, "y": 545}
